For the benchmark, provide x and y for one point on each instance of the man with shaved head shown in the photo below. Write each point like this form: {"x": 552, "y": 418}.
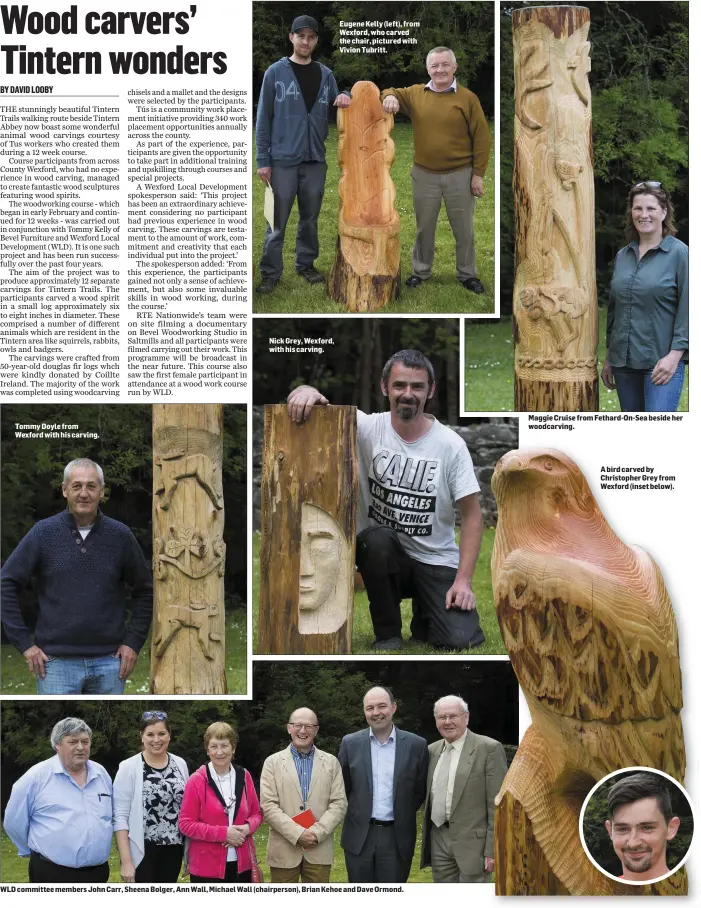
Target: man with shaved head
{"x": 384, "y": 770}
{"x": 465, "y": 773}
{"x": 303, "y": 801}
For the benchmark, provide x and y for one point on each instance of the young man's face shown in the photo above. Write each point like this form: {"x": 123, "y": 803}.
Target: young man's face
{"x": 639, "y": 833}
{"x": 408, "y": 390}
{"x": 303, "y": 42}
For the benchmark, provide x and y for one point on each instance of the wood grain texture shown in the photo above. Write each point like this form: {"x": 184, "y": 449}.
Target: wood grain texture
{"x": 555, "y": 309}
{"x": 309, "y": 498}
{"x": 590, "y": 632}
{"x": 365, "y": 273}
{"x": 187, "y": 650}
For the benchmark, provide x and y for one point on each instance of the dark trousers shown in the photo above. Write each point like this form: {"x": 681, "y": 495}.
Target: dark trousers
{"x": 42, "y": 870}
{"x": 379, "y": 860}
{"x": 390, "y": 575}
{"x": 161, "y": 864}
{"x": 304, "y": 182}
{"x": 231, "y": 875}
{"x": 637, "y": 394}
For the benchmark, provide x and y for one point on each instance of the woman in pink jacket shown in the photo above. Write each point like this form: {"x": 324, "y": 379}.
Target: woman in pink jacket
{"x": 220, "y": 813}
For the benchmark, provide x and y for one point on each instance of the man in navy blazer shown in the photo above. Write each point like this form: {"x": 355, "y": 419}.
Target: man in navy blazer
{"x": 384, "y": 771}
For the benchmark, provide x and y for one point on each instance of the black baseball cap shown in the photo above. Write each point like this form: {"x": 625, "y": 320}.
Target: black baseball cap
{"x": 304, "y": 22}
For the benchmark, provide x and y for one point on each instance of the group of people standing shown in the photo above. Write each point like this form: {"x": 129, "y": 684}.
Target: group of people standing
{"x": 63, "y": 811}
{"x": 451, "y": 153}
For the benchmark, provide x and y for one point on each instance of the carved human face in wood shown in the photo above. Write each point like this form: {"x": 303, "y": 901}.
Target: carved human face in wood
{"x": 648, "y": 216}
{"x": 442, "y": 68}
{"x": 303, "y": 42}
{"x": 408, "y": 390}
{"x": 83, "y": 492}
{"x": 639, "y": 834}
{"x": 320, "y": 556}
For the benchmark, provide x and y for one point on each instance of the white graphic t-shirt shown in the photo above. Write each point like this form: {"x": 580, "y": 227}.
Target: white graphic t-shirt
{"x": 411, "y": 486}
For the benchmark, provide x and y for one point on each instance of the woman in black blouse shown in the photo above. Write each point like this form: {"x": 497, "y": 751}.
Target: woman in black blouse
{"x": 147, "y": 794}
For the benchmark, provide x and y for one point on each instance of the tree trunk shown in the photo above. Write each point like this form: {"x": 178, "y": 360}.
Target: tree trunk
{"x": 187, "y": 650}
{"x": 309, "y": 496}
{"x": 555, "y": 309}
{"x": 365, "y": 273}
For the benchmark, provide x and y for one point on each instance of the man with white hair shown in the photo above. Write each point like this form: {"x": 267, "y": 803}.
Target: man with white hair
{"x": 60, "y": 811}
{"x": 80, "y": 563}
{"x": 451, "y": 152}
{"x": 465, "y": 773}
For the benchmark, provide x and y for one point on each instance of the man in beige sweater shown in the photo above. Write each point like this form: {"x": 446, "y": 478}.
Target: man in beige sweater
{"x": 451, "y": 151}
{"x": 305, "y": 783}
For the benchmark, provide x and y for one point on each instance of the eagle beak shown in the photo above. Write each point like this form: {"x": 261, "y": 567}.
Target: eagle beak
{"x": 512, "y": 462}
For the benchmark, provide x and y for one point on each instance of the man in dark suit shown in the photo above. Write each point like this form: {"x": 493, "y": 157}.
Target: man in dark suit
{"x": 465, "y": 773}
{"x": 384, "y": 771}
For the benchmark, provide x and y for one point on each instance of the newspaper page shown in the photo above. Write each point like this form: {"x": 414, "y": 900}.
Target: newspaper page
{"x": 297, "y": 599}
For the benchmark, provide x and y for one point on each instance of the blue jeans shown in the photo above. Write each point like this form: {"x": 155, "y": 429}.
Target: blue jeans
{"x": 637, "y": 394}
{"x": 97, "y": 675}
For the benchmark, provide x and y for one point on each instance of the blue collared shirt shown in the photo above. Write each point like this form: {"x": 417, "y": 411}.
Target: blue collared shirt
{"x": 304, "y": 763}
{"x": 48, "y": 812}
{"x": 382, "y": 756}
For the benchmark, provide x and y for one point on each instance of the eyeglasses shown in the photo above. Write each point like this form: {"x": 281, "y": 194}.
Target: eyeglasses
{"x": 299, "y": 726}
{"x": 651, "y": 184}
{"x": 451, "y": 717}
{"x": 154, "y": 715}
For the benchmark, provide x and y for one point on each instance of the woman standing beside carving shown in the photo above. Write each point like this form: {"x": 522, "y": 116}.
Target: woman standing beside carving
{"x": 647, "y": 333}
{"x": 148, "y": 792}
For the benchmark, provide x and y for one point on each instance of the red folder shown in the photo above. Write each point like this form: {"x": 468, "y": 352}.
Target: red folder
{"x": 306, "y": 818}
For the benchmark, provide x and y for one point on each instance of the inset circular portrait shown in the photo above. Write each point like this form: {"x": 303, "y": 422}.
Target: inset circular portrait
{"x": 636, "y": 825}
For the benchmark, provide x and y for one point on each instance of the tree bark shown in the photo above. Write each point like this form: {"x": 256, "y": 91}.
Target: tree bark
{"x": 555, "y": 308}
{"x": 309, "y": 493}
{"x": 188, "y": 645}
{"x": 365, "y": 273}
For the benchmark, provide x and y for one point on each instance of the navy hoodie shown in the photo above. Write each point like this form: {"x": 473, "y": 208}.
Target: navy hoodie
{"x": 285, "y": 133}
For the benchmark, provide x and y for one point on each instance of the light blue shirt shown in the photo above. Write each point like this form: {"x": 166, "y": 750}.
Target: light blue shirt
{"x": 48, "y": 812}
{"x": 304, "y": 763}
{"x": 382, "y": 756}
{"x": 452, "y": 87}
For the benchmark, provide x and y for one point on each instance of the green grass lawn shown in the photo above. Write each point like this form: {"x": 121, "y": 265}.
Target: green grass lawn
{"x": 362, "y": 626}
{"x": 15, "y": 679}
{"x": 489, "y": 368}
{"x": 14, "y": 868}
{"x": 441, "y": 294}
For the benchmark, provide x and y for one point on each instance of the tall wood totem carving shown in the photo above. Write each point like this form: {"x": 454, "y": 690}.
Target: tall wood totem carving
{"x": 307, "y": 560}
{"x": 555, "y": 310}
{"x": 187, "y": 650}
{"x": 365, "y": 273}
{"x": 590, "y": 632}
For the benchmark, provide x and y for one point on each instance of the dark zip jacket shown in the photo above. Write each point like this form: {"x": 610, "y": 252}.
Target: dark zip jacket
{"x": 285, "y": 133}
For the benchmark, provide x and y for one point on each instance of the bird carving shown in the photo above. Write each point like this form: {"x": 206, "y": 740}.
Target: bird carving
{"x": 590, "y": 632}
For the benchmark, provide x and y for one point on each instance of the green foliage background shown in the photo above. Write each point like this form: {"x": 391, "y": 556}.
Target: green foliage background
{"x": 468, "y": 28}
{"x": 333, "y": 689}
{"x": 640, "y": 120}
{"x": 599, "y": 843}
{"x": 32, "y": 472}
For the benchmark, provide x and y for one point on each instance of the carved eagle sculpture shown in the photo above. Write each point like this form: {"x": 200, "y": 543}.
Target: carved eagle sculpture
{"x": 590, "y": 631}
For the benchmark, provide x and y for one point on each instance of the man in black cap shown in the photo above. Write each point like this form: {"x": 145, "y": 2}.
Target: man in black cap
{"x": 291, "y": 129}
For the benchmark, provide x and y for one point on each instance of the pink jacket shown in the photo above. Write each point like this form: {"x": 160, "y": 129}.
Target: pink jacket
{"x": 203, "y": 819}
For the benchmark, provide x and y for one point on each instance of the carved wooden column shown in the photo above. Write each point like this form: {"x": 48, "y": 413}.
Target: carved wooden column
{"x": 307, "y": 561}
{"x": 188, "y": 638}
{"x": 555, "y": 310}
{"x": 365, "y": 273}
{"x": 591, "y": 635}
